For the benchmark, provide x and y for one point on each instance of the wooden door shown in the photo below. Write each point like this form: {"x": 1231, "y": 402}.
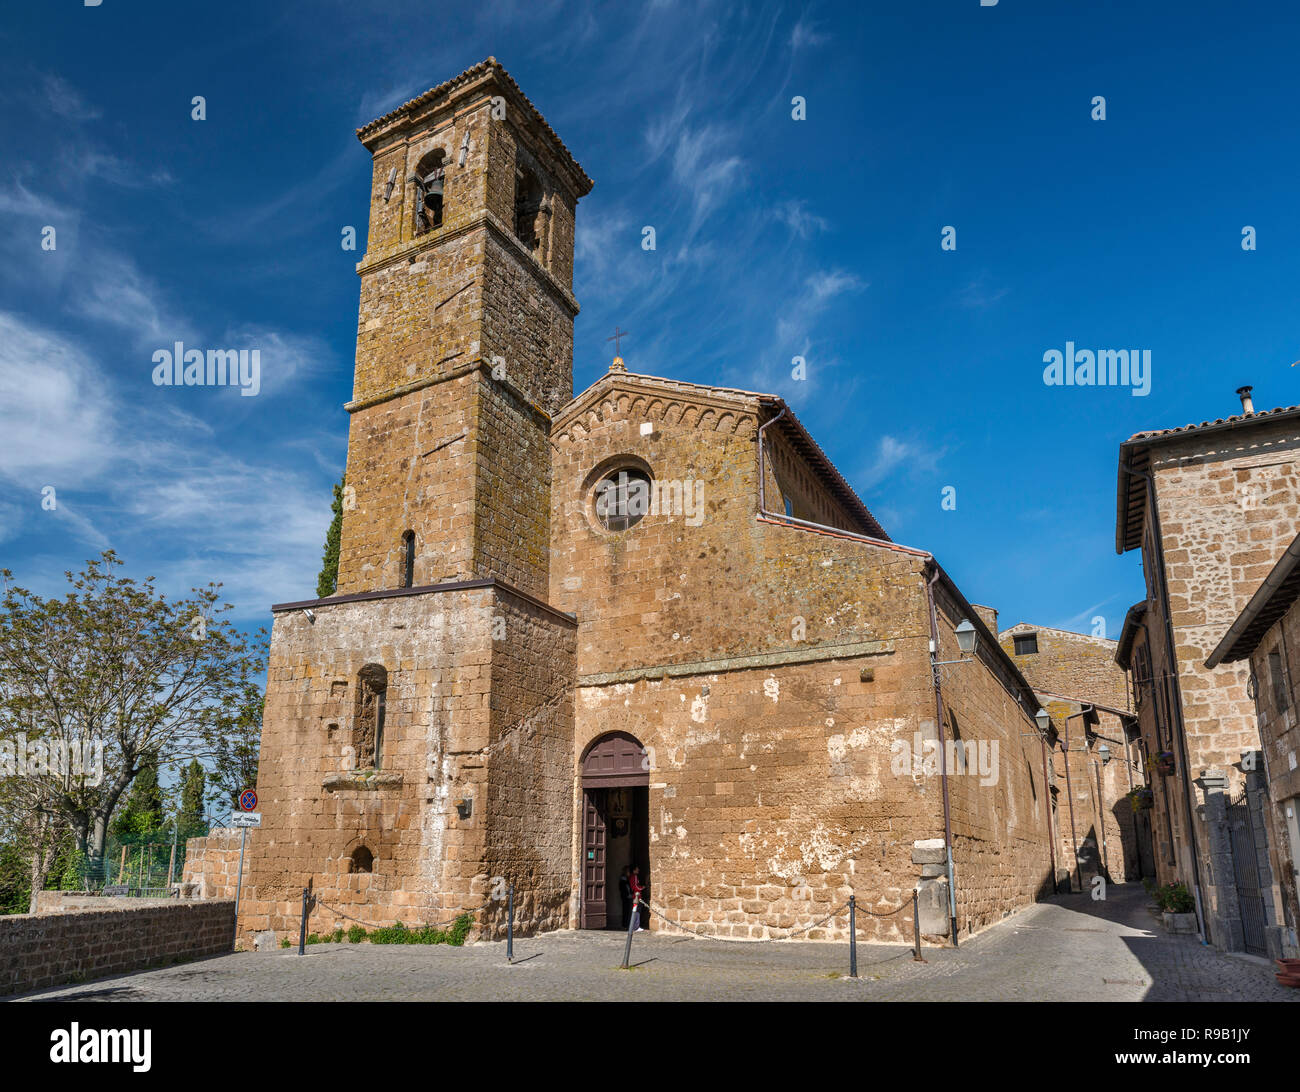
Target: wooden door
{"x": 593, "y": 859}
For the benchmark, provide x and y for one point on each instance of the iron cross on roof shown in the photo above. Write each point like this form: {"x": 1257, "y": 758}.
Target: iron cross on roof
{"x": 617, "y": 365}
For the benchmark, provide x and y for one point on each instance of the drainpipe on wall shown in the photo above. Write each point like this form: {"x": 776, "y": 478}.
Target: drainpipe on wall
{"x": 1101, "y": 821}
{"x": 1069, "y": 792}
{"x": 762, "y": 463}
{"x": 1047, "y": 804}
{"x": 943, "y": 757}
{"x": 1178, "y": 694}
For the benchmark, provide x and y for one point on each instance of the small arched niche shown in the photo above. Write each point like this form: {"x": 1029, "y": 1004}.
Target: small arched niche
{"x": 368, "y": 716}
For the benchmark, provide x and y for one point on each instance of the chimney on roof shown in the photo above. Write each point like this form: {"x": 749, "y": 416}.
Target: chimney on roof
{"x": 1247, "y": 406}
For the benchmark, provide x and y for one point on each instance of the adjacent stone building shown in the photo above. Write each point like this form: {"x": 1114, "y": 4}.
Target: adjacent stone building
{"x": 649, "y": 625}
{"x": 1098, "y": 773}
{"x": 1212, "y": 507}
{"x": 1267, "y": 635}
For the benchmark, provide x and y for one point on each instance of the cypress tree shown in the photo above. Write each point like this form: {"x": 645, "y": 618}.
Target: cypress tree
{"x": 192, "y": 786}
{"x": 329, "y": 572}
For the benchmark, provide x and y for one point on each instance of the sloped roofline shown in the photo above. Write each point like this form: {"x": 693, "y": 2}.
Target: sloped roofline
{"x": 1135, "y": 461}
{"x": 1132, "y": 620}
{"x": 790, "y": 427}
{"x": 489, "y": 65}
{"x": 1053, "y": 629}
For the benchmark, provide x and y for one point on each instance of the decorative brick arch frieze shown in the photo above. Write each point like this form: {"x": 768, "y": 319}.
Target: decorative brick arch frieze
{"x": 621, "y": 404}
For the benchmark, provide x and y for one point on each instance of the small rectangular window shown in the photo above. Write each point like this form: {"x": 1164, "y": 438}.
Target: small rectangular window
{"x": 1027, "y": 644}
{"x": 1278, "y": 679}
{"x": 789, "y": 507}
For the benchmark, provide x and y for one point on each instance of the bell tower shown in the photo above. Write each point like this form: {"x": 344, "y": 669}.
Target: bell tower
{"x": 464, "y": 339}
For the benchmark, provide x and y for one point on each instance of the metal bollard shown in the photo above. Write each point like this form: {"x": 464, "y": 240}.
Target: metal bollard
{"x": 633, "y": 918}
{"x": 302, "y": 929}
{"x": 853, "y": 936}
{"x": 510, "y": 924}
{"x": 916, "y": 928}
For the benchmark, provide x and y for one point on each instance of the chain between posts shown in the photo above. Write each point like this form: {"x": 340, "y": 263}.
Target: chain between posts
{"x": 742, "y": 940}
{"x": 318, "y": 901}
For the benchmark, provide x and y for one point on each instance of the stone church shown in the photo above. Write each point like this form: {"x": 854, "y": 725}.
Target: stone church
{"x": 648, "y": 624}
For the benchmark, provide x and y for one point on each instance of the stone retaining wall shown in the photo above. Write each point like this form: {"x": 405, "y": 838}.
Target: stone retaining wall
{"x": 38, "y": 951}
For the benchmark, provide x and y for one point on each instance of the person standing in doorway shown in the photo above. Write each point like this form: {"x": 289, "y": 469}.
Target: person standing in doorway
{"x": 625, "y": 893}
{"x": 634, "y": 883}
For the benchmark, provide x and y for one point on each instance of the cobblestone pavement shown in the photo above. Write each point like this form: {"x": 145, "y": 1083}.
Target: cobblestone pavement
{"x": 1070, "y": 948}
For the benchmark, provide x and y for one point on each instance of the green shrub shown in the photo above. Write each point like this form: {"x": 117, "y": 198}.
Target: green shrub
{"x": 356, "y": 934}
{"x": 401, "y": 933}
{"x": 284, "y": 942}
{"x": 460, "y": 929}
{"x": 1174, "y": 898}
{"x": 336, "y": 937}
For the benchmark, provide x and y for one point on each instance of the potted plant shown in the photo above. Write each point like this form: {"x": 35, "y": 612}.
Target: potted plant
{"x": 1141, "y": 798}
{"x": 1289, "y": 975}
{"x": 1178, "y": 908}
{"x": 1165, "y": 762}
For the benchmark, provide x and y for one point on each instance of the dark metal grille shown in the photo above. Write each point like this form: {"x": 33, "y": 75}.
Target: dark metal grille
{"x": 1245, "y": 866}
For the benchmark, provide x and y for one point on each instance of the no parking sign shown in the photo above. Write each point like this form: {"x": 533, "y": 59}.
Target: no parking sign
{"x": 248, "y": 800}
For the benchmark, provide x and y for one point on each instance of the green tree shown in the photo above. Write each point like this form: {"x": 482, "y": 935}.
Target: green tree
{"x": 328, "y": 580}
{"x": 117, "y": 669}
{"x": 144, "y": 810}
{"x": 193, "y": 785}
{"x": 235, "y": 760}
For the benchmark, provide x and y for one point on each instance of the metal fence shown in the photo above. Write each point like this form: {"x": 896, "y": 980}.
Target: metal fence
{"x": 137, "y": 865}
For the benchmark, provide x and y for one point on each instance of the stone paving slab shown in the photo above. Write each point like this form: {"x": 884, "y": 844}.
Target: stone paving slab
{"x": 1067, "y": 949}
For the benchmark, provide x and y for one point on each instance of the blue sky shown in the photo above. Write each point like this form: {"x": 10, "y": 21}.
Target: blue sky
{"x": 776, "y": 238}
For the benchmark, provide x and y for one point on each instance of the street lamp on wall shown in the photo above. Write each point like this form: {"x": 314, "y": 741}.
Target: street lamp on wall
{"x": 967, "y": 638}
{"x": 1043, "y": 719}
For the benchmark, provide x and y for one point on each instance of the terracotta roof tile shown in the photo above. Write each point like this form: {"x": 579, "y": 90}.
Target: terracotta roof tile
{"x": 1160, "y": 432}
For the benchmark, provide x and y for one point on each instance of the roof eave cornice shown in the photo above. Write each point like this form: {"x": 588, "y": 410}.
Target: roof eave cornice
{"x": 486, "y": 71}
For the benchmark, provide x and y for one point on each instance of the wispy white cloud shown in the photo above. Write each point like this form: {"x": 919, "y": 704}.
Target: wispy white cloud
{"x": 59, "y": 97}
{"x": 895, "y": 456}
{"x": 54, "y": 408}
{"x": 796, "y": 216}
{"x": 805, "y": 35}
{"x": 155, "y": 473}
{"x": 819, "y": 289}
{"x": 978, "y": 294}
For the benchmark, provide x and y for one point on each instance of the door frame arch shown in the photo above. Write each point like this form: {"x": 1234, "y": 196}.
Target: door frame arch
{"x": 612, "y": 760}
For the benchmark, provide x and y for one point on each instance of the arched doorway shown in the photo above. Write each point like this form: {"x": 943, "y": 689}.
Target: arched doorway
{"x": 615, "y": 825}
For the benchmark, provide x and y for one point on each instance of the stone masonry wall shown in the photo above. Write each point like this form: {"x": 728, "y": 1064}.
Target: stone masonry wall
{"x": 411, "y": 466}
{"x": 1071, "y": 665}
{"x": 1081, "y": 666}
{"x": 527, "y": 811}
{"x": 1229, "y": 506}
{"x": 1155, "y": 695}
{"x": 771, "y": 671}
{"x": 1280, "y": 744}
{"x": 1000, "y": 819}
{"x": 213, "y": 862}
{"x": 512, "y": 496}
{"x": 39, "y": 951}
{"x": 318, "y": 809}
{"x": 771, "y": 794}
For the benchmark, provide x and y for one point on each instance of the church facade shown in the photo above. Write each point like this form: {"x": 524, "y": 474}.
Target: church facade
{"x": 648, "y": 625}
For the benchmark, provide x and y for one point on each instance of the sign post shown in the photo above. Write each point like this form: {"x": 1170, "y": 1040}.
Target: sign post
{"x": 243, "y": 819}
